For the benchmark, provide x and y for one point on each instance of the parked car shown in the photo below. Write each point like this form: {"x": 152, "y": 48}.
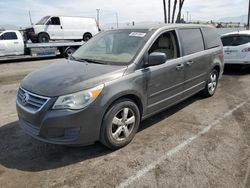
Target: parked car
{"x": 237, "y": 47}
{"x": 62, "y": 27}
{"x": 117, "y": 79}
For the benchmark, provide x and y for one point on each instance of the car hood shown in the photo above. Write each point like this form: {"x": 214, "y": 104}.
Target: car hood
{"x": 69, "y": 76}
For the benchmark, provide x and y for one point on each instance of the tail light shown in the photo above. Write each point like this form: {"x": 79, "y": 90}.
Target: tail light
{"x": 246, "y": 50}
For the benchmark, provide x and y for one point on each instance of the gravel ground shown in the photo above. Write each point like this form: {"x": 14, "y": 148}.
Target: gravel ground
{"x": 198, "y": 143}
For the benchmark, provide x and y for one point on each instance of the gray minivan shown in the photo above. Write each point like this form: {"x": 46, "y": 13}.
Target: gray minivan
{"x": 117, "y": 79}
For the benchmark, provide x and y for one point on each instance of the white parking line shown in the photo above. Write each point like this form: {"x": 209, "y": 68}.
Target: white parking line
{"x": 246, "y": 176}
{"x": 174, "y": 150}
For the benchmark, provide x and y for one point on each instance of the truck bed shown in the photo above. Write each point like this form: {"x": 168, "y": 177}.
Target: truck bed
{"x": 54, "y": 44}
{"x": 15, "y": 58}
{"x": 41, "y": 50}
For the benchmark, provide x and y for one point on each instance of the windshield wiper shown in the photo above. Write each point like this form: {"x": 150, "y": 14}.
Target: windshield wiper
{"x": 90, "y": 60}
{"x": 72, "y": 58}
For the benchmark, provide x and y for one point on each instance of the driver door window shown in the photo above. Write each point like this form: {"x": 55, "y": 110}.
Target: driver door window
{"x": 166, "y": 43}
{"x": 9, "y": 36}
{"x": 54, "y": 21}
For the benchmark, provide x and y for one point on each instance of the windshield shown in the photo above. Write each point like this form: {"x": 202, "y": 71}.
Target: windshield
{"x": 118, "y": 47}
{"x": 43, "y": 20}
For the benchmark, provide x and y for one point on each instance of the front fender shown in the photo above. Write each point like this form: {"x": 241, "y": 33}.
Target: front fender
{"x": 133, "y": 84}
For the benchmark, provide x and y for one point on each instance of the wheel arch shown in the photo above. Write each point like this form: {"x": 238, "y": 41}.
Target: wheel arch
{"x": 87, "y": 33}
{"x": 217, "y": 68}
{"x": 43, "y": 32}
{"x": 131, "y": 96}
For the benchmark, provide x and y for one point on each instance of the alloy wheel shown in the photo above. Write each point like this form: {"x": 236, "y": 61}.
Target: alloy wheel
{"x": 212, "y": 83}
{"x": 123, "y": 124}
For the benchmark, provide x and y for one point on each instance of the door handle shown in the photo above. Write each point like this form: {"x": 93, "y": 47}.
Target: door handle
{"x": 15, "y": 42}
{"x": 189, "y": 63}
{"x": 179, "y": 67}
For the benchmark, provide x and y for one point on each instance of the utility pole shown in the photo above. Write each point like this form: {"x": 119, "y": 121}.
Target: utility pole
{"x": 165, "y": 13}
{"x": 97, "y": 16}
{"x": 30, "y": 18}
{"x": 187, "y": 16}
{"x": 248, "y": 19}
{"x": 179, "y": 14}
{"x": 117, "y": 23}
{"x": 169, "y": 10}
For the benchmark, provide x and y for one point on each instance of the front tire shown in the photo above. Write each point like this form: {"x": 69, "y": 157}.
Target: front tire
{"x": 86, "y": 37}
{"x": 120, "y": 124}
{"x": 211, "y": 84}
{"x": 43, "y": 38}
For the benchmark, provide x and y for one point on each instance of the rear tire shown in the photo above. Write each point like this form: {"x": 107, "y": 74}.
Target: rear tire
{"x": 120, "y": 124}
{"x": 211, "y": 84}
{"x": 43, "y": 38}
{"x": 69, "y": 51}
{"x": 86, "y": 37}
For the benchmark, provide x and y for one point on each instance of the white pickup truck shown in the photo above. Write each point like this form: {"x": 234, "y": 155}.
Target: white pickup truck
{"x": 13, "y": 45}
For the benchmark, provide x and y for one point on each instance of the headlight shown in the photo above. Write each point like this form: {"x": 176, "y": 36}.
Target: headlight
{"x": 78, "y": 100}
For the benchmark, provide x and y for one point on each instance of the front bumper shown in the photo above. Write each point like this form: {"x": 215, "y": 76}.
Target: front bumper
{"x": 31, "y": 35}
{"x": 65, "y": 127}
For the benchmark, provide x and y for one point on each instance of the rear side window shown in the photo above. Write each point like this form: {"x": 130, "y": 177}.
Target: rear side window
{"x": 192, "y": 40}
{"x": 9, "y": 36}
{"x": 211, "y": 38}
{"x": 235, "y": 40}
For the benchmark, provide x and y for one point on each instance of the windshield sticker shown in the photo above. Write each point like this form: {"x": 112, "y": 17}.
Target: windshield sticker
{"x": 137, "y": 34}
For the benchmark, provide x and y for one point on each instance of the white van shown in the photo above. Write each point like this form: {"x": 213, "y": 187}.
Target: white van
{"x": 62, "y": 27}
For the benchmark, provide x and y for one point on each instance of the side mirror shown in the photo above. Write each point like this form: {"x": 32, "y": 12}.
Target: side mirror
{"x": 156, "y": 58}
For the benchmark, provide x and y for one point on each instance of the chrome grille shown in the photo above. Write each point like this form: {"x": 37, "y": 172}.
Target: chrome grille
{"x": 29, "y": 101}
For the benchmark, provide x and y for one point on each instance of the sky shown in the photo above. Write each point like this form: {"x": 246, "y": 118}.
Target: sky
{"x": 15, "y": 12}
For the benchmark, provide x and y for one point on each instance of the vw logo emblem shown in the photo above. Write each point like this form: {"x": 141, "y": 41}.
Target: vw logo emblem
{"x": 25, "y": 98}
